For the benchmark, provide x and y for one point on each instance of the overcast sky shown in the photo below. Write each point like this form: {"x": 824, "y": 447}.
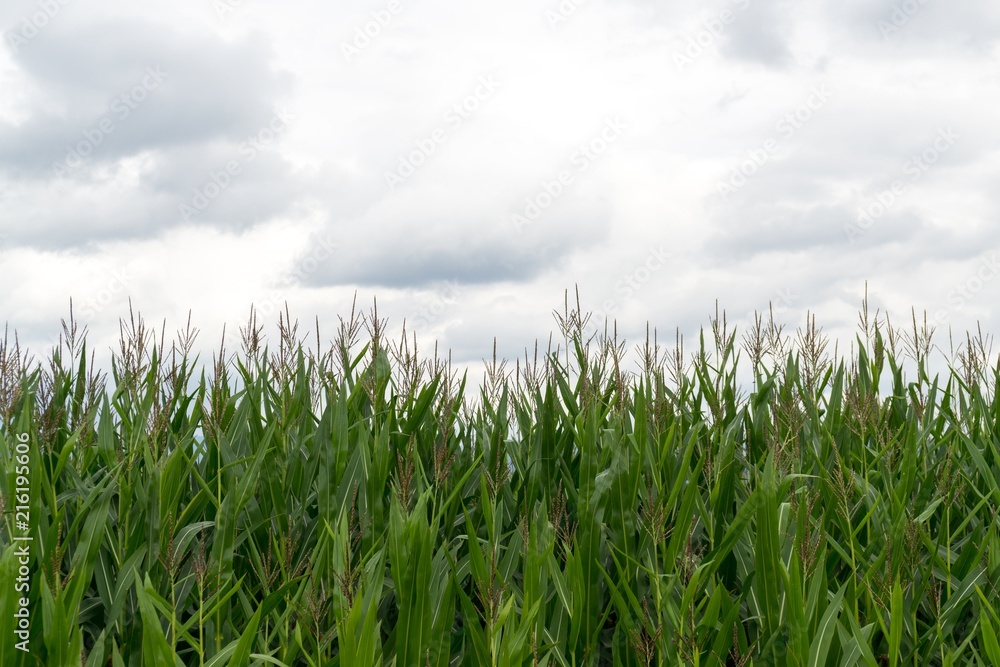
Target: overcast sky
{"x": 467, "y": 162}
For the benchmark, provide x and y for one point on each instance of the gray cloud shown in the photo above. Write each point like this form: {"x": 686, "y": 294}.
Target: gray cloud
{"x": 136, "y": 97}
{"x": 416, "y": 249}
{"x": 203, "y": 90}
{"x": 917, "y": 27}
{"x": 451, "y": 220}
{"x": 760, "y": 33}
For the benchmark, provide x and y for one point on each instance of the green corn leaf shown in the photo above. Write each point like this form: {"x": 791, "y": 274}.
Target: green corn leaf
{"x": 896, "y": 625}
{"x": 824, "y": 633}
{"x": 155, "y": 650}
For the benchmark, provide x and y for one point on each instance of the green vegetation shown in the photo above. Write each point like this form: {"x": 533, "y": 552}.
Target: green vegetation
{"x": 355, "y": 507}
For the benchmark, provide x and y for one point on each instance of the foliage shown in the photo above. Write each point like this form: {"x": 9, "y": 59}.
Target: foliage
{"x": 354, "y": 507}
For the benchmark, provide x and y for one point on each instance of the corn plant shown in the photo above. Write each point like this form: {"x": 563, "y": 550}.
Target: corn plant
{"x": 358, "y": 505}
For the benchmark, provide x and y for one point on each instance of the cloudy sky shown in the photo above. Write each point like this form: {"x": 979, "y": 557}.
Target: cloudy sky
{"x": 466, "y": 163}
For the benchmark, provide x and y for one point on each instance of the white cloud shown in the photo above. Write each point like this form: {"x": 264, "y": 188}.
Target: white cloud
{"x": 449, "y": 221}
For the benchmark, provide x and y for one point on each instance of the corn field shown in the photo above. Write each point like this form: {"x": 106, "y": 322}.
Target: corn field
{"x": 358, "y": 505}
